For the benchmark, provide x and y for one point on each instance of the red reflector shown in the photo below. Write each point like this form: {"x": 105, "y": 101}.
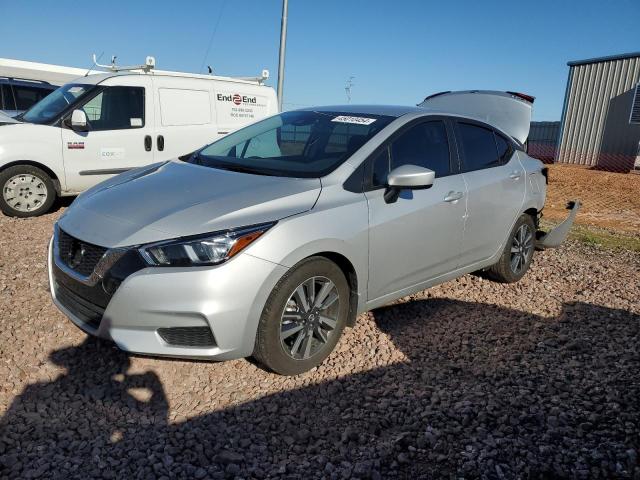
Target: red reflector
{"x": 523, "y": 96}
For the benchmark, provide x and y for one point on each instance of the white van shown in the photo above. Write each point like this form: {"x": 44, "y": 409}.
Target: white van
{"x": 100, "y": 125}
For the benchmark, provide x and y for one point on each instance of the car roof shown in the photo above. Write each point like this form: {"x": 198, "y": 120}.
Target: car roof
{"x": 398, "y": 111}
{"x": 388, "y": 110}
{"x": 27, "y": 83}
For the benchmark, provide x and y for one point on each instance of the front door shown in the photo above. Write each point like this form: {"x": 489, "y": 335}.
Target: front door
{"x": 119, "y": 136}
{"x": 419, "y": 236}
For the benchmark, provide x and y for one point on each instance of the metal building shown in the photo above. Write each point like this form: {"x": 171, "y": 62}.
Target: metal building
{"x": 598, "y": 128}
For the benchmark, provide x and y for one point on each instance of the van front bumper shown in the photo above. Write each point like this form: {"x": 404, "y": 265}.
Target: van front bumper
{"x": 201, "y": 313}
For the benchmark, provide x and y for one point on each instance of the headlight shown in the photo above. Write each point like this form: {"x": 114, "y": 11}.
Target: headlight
{"x": 209, "y": 249}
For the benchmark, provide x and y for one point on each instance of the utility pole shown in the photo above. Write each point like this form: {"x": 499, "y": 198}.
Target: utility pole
{"x": 283, "y": 46}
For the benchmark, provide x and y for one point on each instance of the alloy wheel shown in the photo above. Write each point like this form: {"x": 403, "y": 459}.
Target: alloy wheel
{"x": 309, "y": 318}
{"x": 521, "y": 249}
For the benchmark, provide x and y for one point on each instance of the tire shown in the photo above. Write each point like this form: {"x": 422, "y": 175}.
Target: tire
{"x": 291, "y": 339}
{"x": 27, "y": 191}
{"x": 518, "y": 253}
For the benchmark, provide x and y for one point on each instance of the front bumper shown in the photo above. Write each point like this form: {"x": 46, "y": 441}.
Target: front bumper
{"x": 228, "y": 299}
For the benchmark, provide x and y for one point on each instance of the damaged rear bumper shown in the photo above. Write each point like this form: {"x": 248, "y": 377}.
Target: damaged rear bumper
{"x": 554, "y": 237}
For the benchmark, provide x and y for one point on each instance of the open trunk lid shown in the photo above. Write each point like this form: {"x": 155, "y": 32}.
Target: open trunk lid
{"x": 508, "y": 111}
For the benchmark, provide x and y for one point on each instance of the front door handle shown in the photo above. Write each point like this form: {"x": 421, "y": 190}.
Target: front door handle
{"x": 515, "y": 175}
{"x": 160, "y": 143}
{"x": 453, "y": 196}
{"x": 147, "y": 143}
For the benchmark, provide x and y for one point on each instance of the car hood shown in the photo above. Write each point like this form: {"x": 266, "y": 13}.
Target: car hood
{"x": 177, "y": 199}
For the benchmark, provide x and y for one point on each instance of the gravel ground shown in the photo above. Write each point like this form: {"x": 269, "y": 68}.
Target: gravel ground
{"x": 471, "y": 379}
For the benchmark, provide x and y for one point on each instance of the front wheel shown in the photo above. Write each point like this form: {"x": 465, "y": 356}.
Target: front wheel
{"x": 27, "y": 191}
{"x": 518, "y": 252}
{"x": 303, "y": 317}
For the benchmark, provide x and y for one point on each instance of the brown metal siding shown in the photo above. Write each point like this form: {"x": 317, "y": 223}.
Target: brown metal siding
{"x": 595, "y": 131}
{"x": 543, "y": 140}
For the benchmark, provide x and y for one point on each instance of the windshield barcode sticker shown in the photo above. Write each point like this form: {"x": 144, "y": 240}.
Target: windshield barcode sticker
{"x": 355, "y": 120}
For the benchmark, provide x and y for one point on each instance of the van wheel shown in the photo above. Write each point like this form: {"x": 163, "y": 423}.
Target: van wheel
{"x": 27, "y": 191}
{"x": 303, "y": 317}
{"x": 518, "y": 252}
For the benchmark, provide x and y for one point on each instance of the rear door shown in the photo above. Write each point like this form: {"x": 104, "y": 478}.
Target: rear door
{"x": 185, "y": 116}
{"x": 120, "y": 135}
{"x": 418, "y": 237}
{"x": 496, "y": 188}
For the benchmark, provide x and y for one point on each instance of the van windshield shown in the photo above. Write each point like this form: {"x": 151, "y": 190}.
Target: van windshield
{"x": 50, "y": 107}
{"x": 293, "y": 144}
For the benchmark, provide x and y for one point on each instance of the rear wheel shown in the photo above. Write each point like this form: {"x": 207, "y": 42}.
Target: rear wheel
{"x": 518, "y": 252}
{"x": 303, "y": 317}
{"x": 27, "y": 191}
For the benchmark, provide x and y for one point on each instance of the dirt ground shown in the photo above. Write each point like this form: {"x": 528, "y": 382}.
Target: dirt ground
{"x": 471, "y": 379}
{"x": 610, "y": 200}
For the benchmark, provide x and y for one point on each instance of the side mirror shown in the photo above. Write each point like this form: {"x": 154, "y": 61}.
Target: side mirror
{"x": 79, "y": 120}
{"x": 410, "y": 177}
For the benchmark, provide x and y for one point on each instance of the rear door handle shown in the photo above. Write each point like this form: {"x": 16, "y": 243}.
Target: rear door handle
{"x": 453, "y": 196}
{"x": 515, "y": 175}
{"x": 147, "y": 143}
{"x": 160, "y": 143}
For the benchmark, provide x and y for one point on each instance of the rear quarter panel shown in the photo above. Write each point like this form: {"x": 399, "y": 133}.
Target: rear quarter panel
{"x": 536, "y": 184}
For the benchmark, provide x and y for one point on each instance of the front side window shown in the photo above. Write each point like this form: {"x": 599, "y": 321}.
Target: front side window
{"x": 53, "y": 105}
{"x": 293, "y": 144}
{"x": 479, "y": 147}
{"x": 116, "y": 108}
{"x": 425, "y": 145}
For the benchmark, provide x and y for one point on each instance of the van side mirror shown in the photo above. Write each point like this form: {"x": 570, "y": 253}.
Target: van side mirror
{"x": 410, "y": 177}
{"x": 79, "y": 121}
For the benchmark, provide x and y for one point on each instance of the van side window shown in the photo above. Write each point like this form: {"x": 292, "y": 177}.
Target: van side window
{"x": 26, "y": 97}
{"x": 479, "y": 147}
{"x": 7, "y": 96}
{"x": 116, "y": 108}
{"x": 425, "y": 145}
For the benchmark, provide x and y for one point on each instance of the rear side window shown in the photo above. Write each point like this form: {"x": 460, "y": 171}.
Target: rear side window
{"x": 425, "y": 145}
{"x": 26, "y": 97}
{"x": 479, "y": 147}
{"x": 116, "y": 108}
{"x": 504, "y": 149}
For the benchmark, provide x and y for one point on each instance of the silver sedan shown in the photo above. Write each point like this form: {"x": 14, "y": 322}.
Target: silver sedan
{"x": 270, "y": 241}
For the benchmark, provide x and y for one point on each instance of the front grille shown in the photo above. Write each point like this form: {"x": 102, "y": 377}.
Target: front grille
{"x": 188, "y": 336}
{"x": 86, "y": 311}
{"x": 79, "y": 256}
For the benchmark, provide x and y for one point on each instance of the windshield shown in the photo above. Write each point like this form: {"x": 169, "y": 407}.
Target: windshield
{"x": 50, "y": 107}
{"x": 293, "y": 144}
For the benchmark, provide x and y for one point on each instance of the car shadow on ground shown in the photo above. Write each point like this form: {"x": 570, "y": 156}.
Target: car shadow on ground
{"x": 485, "y": 392}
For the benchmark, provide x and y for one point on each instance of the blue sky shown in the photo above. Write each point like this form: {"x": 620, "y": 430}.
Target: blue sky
{"x": 399, "y": 51}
